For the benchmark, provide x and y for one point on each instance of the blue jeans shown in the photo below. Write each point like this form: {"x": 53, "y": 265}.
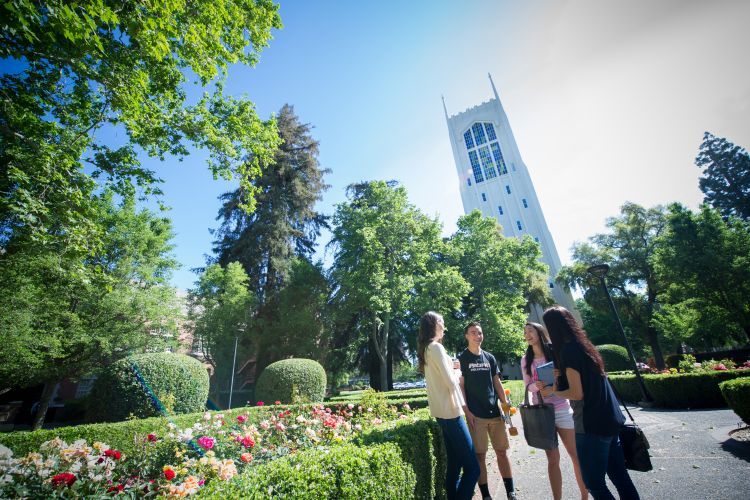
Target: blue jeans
{"x": 460, "y": 454}
{"x": 599, "y": 455}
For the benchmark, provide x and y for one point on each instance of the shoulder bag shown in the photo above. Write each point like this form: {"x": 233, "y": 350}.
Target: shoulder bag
{"x": 538, "y": 423}
{"x": 633, "y": 441}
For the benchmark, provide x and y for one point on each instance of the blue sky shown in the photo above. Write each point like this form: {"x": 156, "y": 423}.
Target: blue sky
{"x": 608, "y": 101}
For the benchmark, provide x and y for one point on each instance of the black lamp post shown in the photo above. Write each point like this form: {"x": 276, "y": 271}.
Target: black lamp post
{"x": 600, "y": 271}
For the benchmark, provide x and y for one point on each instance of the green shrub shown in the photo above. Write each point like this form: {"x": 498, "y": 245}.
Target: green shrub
{"x": 292, "y": 380}
{"x": 690, "y": 390}
{"x": 737, "y": 395}
{"x": 626, "y": 386}
{"x": 687, "y": 364}
{"x": 344, "y": 471}
{"x": 615, "y": 357}
{"x": 421, "y": 445}
{"x": 177, "y": 381}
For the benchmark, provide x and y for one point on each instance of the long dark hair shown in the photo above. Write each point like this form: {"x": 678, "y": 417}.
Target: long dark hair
{"x": 562, "y": 328}
{"x": 427, "y": 332}
{"x": 544, "y": 341}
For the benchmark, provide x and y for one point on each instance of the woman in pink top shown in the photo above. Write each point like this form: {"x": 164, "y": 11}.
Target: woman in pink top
{"x": 538, "y": 353}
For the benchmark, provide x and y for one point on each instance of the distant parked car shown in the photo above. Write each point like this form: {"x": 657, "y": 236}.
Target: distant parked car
{"x": 408, "y": 385}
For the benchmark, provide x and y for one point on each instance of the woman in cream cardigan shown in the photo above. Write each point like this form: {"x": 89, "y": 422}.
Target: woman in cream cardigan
{"x": 446, "y": 405}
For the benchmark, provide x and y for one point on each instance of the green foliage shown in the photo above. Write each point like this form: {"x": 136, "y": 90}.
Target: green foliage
{"x": 737, "y": 394}
{"x": 615, "y": 357}
{"x": 222, "y": 308}
{"x": 686, "y": 364}
{"x": 626, "y": 386}
{"x": 704, "y": 260}
{"x": 726, "y": 176}
{"x": 91, "y": 64}
{"x": 499, "y": 271}
{"x": 176, "y": 378}
{"x": 345, "y": 471}
{"x": 386, "y": 267}
{"x": 65, "y": 314}
{"x": 421, "y": 445}
{"x": 629, "y": 248}
{"x": 289, "y": 380}
{"x": 680, "y": 390}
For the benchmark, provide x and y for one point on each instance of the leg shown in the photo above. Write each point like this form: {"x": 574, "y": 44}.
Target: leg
{"x": 554, "y": 472}
{"x": 482, "y": 459}
{"x": 568, "y": 438}
{"x": 451, "y": 467}
{"x": 619, "y": 474}
{"x": 500, "y": 443}
{"x": 593, "y": 455}
{"x": 467, "y": 458}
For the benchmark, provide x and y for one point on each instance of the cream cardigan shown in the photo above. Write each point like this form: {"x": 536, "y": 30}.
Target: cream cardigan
{"x": 443, "y": 386}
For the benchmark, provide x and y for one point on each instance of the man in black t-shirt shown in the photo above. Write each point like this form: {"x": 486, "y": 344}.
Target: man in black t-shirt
{"x": 482, "y": 388}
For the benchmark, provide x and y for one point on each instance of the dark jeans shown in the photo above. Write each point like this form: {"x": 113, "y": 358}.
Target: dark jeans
{"x": 599, "y": 455}
{"x": 460, "y": 454}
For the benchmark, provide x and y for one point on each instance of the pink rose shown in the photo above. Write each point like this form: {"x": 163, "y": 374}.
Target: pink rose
{"x": 242, "y": 418}
{"x": 259, "y": 403}
{"x": 206, "y": 442}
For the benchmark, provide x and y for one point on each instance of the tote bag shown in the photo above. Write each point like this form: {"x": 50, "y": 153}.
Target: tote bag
{"x": 538, "y": 423}
{"x": 633, "y": 441}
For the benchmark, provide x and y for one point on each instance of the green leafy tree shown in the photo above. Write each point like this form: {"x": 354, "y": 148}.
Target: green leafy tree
{"x": 282, "y": 229}
{"x": 501, "y": 272}
{"x": 385, "y": 253}
{"x": 125, "y": 65}
{"x": 705, "y": 260}
{"x": 726, "y": 176}
{"x": 629, "y": 248}
{"x": 64, "y": 315}
{"x": 222, "y": 308}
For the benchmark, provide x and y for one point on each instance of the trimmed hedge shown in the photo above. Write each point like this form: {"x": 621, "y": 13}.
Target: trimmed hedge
{"x": 681, "y": 390}
{"x": 291, "y": 379}
{"x": 178, "y": 381}
{"x": 737, "y": 395}
{"x": 421, "y": 446}
{"x": 615, "y": 357}
{"x": 344, "y": 471}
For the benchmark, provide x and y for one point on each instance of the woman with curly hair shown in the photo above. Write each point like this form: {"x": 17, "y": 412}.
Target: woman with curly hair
{"x": 446, "y": 405}
{"x": 597, "y": 416}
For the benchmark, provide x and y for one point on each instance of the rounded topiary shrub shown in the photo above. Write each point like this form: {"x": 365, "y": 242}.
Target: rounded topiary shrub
{"x": 291, "y": 381}
{"x": 615, "y": 357}
{"x": 144, "y": 385}
{"x": 737, "y": 394}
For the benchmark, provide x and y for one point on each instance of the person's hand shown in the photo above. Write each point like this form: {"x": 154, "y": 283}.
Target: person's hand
{"x": 556, "y": 372}
{"x": 470, "y": 418}
{"x": 547, "y": 391}
{"x": 540, "y": 384}
{"x": 456, "y": 364}
{"x": 505, "y": 406}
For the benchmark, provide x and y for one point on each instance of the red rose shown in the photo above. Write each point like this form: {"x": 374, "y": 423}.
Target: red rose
{"x": 63, "y": 479}
{"x": 260, "y": 403}
{"x": 151, "y": 437}
{"x": 117, "y": 488}
{"x": 113, "y": 454}
{"x": 169, "y": 474}
{"x": 242, "y": 418}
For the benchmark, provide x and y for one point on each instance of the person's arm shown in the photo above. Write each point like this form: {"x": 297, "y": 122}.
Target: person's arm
{"x": 501, "y": 391}
{"x": 467, "y": 412}
{"x": 575, "y": 388}
{"x": 534, "y": 387}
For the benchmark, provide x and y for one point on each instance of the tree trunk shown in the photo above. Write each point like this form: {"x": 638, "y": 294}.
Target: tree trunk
{"x": 747, "y": 331}
{"x": 44, "y": 401}
{"x": 653, "y": 341}
{"x": 384, "y": 357}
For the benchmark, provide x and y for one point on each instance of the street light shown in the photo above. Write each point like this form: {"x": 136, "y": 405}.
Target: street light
{"x": 600, "y": 271}
{"x": 234, "y": 361}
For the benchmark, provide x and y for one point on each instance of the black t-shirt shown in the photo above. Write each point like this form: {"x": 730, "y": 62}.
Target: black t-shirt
{"x": 478, "y": 372}
{"x": 599, "y": 412}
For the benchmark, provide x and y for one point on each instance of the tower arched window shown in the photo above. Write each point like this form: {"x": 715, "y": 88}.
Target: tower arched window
{"x": 486, "y": 158}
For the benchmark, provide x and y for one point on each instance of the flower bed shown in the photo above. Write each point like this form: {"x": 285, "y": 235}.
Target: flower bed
{"x": 679, "y": 390}
{"x": 181, "y": 456}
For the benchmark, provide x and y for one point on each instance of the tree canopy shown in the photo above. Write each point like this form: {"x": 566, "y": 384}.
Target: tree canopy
{"x": 726, "y": 176}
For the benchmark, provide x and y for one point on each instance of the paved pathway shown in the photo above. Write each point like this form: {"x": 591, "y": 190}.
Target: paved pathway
{"x": 692, "y": 454}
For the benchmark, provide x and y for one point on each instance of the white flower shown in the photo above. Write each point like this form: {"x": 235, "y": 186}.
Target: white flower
{"x": 185, "y": 435}
{"x": 171, "y": 426}
{"x": 207, "y": 416}
{"x": 301, "y": 419}
{"x": 350, "y": 406}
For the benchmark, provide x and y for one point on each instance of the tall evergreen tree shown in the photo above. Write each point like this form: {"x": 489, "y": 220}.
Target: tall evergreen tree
{"x": 726, "y": 176}
{"x": 283, "y": 226}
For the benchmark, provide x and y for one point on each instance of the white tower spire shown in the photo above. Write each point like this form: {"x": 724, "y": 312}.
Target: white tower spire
{"x": 494, "y": 180}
